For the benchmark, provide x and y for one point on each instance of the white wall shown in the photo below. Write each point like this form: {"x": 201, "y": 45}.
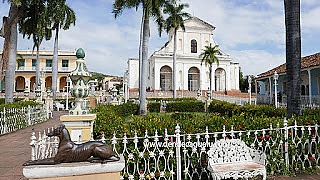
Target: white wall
{"x": 133, "y": 67}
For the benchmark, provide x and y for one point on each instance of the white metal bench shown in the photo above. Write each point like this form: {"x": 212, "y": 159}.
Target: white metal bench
{"x": 59, "y": 106}
{"x": 232, "y": 158}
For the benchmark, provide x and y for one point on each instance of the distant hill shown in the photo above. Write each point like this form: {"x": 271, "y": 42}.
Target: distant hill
{"x": 100, "y": 76}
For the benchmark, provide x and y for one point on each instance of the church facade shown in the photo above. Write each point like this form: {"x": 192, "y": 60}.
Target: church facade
{"x": 191, "y": 75}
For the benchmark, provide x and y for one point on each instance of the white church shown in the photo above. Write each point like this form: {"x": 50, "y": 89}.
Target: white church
{"x": 191, "y": 75}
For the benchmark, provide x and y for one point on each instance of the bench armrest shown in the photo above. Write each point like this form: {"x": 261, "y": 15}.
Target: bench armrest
{"x": 258, "y": 156}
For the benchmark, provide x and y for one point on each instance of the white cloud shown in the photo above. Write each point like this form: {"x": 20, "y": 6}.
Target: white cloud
{"x": 257, "y": 61}
{"x": 309, "y": 19}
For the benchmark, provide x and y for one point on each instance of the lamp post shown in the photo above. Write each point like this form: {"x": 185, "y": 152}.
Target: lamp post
{"x": 249, "y": 81}
{"x": 209, "y": 94}
{"x": 275, "y": 76}
{"x": 26, "y": 93}
{"x": 67, "y": 86}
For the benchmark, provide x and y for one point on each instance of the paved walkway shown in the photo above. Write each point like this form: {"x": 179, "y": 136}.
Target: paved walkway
{"x": 15, "y": 150}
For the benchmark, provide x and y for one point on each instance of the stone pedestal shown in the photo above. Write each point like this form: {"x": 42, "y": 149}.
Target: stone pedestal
{"x": 75, "y": 171}
{"x": 80, "y": 127}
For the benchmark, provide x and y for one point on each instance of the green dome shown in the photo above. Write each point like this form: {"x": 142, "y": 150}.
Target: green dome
{"x": 80, "y": 53}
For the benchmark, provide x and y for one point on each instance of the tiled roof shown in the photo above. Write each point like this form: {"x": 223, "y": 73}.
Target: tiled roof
{"x": 306, "y": 62}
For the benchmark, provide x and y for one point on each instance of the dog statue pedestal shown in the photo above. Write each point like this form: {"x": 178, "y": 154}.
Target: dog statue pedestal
{"x": 80, "y": 127}
{"x": 75, "y": 171}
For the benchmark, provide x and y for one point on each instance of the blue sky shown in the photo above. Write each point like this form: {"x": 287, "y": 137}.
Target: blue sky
{"x": 252, "y": 32}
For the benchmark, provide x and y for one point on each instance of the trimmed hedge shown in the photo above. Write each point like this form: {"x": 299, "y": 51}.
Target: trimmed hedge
{"x": 154, "y": 107}
{"x": 18, "y": 104}
{"x": 171, "y": 99}
{"x": 229, "y": 110}
{"x": 185, "y": 106}
{"x": 2, "y": 100}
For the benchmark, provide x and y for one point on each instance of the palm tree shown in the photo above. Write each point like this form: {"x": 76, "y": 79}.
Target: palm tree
{"x": 10, "y": 33}
{"x": 293, "y": 56}
{"x": 61, "y": 16}
{"x": 175, "y": 21}
{"x": 151, "y": 8}
{"x": 209, "y": 57}
{"x": 35, "y": 23}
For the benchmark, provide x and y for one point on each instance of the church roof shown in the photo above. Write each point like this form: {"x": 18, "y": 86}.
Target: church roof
{"x": 193, "y": 18}
{"x": 306, "y": 62}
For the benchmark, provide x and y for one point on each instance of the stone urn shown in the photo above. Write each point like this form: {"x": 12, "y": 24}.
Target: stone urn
{"x": 80, "y": 89}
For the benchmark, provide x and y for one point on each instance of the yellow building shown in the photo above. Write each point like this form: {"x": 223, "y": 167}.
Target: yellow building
{"x": 25, "y": 77}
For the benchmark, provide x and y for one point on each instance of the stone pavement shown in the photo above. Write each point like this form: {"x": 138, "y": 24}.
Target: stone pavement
{"x": 15, "y": 150}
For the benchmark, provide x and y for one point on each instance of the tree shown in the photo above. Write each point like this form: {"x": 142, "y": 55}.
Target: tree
{"x": 61, "y": 16}
{"x": 10, "y": 33}
{"x": 151, "y": 8}
{"x": 293, "y": 56}
{"x": 209, "y": 57}
{"x": 35, "y": 23}
{"x": 175, "y": 21}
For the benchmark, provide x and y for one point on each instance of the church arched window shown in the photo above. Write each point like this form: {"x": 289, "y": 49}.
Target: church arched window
{"x": 193, "y": 46}
{"x": 166, "y": 78}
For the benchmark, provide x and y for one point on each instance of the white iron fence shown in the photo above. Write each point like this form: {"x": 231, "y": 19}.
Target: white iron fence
{"x": 234, "y": 99}
{"x": 306, "y": 100}
{"x": 18, "y": 118}
{"x": 184, "y": 156}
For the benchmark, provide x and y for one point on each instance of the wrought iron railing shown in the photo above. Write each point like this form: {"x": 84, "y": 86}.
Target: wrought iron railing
{"x": 18, "y": 118}
{"x": 184, "y": 156}
{"x": 282, "y": 100}
{"x": 233, "y": 99}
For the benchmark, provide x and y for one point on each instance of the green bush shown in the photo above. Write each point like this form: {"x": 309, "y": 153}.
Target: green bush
{"x": 154, "y": 107}
{"x": 171, "y": 99}
{"x": 185, "y": 106}
{"x": 2, "y": 100}
{"x": 224, "y": 108}
{"x": 18, "y": 104}
{"x": 230, "y": 109}
{"x": 127, "y": 109}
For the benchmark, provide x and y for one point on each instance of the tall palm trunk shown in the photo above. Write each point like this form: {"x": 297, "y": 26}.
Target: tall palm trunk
{"x": 55, "y": 65}
{"x": 10, "y": 51}
{"x": 174, "y": 64}
{"x": 5, "y": 54}
{"x": 140, "y": 51}
{"x": 293, "y": 56}
{"x": 10, "y": 71}
{"x": 210, "y": 79}
{"x": 38, "y": 81}
{"x": 146, "y": 36}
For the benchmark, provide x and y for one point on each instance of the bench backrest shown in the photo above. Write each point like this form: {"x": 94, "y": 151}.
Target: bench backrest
{"x": 229, "y": 151}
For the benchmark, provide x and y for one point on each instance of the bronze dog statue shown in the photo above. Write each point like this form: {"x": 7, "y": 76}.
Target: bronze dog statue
{"x": 68, "y": 151}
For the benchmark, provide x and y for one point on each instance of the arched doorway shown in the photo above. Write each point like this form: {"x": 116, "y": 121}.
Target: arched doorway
{"x": 165, "y": 78}
{"x": 48, "y": 82}
{"x": 220, "y": 80}
{"x": 20, "y": 84}
{"x": 63, "y": 83}
{"x": 33, "y": 83}
{"x": 193, "y": 79}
